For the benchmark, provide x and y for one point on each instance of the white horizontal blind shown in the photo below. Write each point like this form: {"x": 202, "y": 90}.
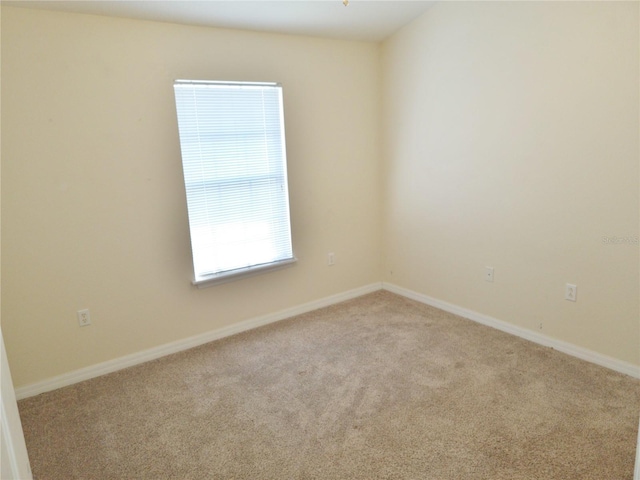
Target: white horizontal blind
{"x": 234, "y": 163}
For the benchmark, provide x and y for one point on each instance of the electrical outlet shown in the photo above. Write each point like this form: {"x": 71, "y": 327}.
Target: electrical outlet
{"x": 488, "y": 274}
{"x": 331, "y": 259}
{"x": 84, "y": 318}
{"x": 570, "y": 292}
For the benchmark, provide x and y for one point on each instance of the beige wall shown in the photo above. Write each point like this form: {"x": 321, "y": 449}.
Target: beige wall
{"x": 93, "y": 206}
{"x": 512, "y": 142}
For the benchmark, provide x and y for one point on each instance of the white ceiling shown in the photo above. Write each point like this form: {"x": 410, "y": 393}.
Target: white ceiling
{"x": 361, "y": 20}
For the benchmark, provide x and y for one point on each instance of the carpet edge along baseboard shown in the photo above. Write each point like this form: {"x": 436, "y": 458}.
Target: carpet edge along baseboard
{"x": 110, "y": 366}
{"x": 153, "y": 353}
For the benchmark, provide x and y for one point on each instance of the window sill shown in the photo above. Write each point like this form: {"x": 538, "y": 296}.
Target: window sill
{"x": 230, "y": 276}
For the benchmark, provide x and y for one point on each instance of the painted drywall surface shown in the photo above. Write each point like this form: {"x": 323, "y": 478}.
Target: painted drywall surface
{"x": 93, "y": 206}
{"x": 511, "y": 141}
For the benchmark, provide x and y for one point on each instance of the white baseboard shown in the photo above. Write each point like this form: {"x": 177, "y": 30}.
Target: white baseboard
{"x": 565, "y": 347}
{"x": 180, "y": 345}
{"x": 197, "y": 340}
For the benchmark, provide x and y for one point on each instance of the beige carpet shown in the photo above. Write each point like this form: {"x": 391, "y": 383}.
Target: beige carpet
{"x": 379, "y": 387}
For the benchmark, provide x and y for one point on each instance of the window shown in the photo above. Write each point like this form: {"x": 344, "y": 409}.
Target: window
{"x": 235, "y": 175}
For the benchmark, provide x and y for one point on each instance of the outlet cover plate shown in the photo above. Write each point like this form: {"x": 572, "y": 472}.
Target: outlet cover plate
{"x": 488, "y": 274}
{"x": 84, "y": 319}
{"x": 570, "y": 292}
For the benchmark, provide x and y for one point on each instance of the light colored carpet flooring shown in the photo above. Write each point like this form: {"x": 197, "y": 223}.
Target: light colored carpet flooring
{"x": 379, "y": 387}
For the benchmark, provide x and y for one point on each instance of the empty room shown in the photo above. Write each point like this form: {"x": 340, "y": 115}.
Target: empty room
{"x": 320, "y": 240}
